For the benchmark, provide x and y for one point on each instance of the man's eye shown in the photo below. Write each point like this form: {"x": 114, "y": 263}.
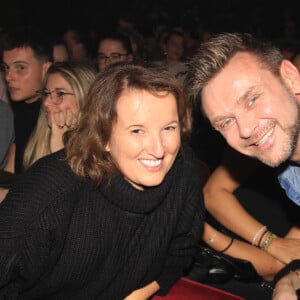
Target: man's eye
{"x": 252, "y": 101}
{"x": 20, "y": 67}
{"x": 227, "y": 122}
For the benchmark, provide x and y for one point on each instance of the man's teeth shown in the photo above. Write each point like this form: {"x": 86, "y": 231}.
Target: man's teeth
{"x": 151, "y": 163}
{"x": 263, "y": 140}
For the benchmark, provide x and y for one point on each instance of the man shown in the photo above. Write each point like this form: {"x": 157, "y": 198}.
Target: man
{"x": 26, "y": 56}
{"x": 251, "y": 95}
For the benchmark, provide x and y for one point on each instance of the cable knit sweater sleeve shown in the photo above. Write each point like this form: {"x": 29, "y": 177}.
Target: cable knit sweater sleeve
{"x": 189, "y": 228}
{"x": 24, "y": 223}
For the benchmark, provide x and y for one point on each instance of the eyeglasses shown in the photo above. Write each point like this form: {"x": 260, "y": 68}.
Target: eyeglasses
{"x": 114, "y": 57}
{"x": 59, "y": 95}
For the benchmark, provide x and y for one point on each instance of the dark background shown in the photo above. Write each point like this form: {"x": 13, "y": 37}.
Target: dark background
{"x": 260, "y": 17}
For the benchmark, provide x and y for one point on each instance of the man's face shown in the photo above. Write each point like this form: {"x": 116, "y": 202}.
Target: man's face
{"x": 257, "y": 114}
{"x": 23, "y": 73}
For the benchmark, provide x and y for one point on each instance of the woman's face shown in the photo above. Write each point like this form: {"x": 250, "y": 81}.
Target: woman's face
{"x": 144, "y": 142}
{"x": 175, "y": 47}
{"x": 60, "y": 99}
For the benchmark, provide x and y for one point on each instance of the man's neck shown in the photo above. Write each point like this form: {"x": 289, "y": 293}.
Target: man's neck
{"x": 31, "y": 99}
{"x": 296, "y": 155}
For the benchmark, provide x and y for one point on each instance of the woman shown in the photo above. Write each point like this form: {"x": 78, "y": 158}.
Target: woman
{"x": 173, "y": 47}
{"x": 119, "y": 212}
{"x": 65, "y": 88}
{"x": 68, "y": 83}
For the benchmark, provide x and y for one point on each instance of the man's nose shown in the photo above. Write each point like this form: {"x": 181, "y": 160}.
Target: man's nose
{"x": 246, "y": 125}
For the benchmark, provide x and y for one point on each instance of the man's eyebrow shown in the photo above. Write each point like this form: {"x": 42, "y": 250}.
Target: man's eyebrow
{"x": 246, "y": 94}
{"x": 20, "y": 62}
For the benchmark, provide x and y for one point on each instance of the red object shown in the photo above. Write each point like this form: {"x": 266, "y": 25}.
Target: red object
{"x": 186, "y": 289}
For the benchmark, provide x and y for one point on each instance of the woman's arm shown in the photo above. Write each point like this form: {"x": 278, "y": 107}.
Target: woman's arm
{"x": 265, "y": 264}
{"x": 221, "y": 202}
{"x": 144, "y": 293}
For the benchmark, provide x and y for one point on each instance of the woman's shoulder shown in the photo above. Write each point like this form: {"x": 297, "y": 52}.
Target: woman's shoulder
{"x": 50, "y": 171}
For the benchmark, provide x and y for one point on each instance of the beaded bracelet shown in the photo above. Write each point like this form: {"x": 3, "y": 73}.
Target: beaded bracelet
{"x": 228, "y": 246}
{"x": 267, "y": 242}
{"x": 262, "y": 229}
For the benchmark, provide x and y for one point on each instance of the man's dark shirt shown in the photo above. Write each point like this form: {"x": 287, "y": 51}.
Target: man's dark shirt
{"x": 25, "y": 119}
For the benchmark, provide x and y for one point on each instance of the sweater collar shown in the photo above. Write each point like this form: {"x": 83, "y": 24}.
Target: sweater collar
{"x": 122, "y": 194}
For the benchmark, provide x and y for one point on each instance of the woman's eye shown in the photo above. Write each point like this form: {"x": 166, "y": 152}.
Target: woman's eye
{"x": 169, "y": 128}
{"x": 136, "y": 131}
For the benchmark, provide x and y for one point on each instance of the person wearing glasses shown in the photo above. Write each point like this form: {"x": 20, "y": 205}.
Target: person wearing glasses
{"x": 118, "y": 213}
{"x": 63, "y": 96}
{"x": 65, "y": 87}
{"x": 113, "y": 48}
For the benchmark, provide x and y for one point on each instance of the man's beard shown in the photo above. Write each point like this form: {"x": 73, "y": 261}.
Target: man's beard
{"x": 290, "y": 145}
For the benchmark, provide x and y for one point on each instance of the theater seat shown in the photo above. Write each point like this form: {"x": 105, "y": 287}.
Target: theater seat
{"x": 186, "y": 289}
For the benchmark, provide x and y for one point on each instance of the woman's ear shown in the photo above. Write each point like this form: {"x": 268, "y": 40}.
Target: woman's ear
{"x": 291, "y": 75}
{"x": 107, "y": 147}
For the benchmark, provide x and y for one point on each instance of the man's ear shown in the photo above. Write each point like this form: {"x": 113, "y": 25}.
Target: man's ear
{"x": 46, "y": 66}
{"x": 291, "y": 75}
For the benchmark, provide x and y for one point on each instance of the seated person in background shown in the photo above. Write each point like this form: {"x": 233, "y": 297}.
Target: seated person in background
{"x": 113, "y": 48}
{"x": 60, "y": 51}
{"x": 26, "y": 56}
{"x": 7, "y": 137}
{"x": 65, "y": 87}
{"x": 6, "y": 133}
{"x": 78, "y": 43}
{"x": 173, "y": 46}
{"x": 119, "y": 212}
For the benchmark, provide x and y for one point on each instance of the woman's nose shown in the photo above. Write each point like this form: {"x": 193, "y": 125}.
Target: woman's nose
{"x": 156, "y": 145}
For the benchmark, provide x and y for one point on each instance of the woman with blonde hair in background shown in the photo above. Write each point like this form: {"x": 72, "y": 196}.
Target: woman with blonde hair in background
{"x": 65, "y": 87}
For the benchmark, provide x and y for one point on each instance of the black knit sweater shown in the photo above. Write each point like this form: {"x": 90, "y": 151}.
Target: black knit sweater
{"x": 60, "y": 238}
